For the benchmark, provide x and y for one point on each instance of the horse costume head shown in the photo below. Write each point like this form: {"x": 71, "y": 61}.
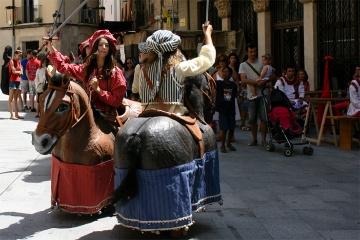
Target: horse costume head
{"x": 66, "y": 125}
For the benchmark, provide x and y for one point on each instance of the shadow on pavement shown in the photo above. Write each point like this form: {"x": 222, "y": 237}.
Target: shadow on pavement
{"x": 49, "y": 219}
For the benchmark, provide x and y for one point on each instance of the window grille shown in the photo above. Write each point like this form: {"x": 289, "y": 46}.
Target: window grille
{"x": 244, "y": 17}
{"x": 339, "y": 37}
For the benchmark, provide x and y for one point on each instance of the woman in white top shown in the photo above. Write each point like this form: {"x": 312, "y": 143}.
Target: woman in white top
{"x": 40, "y": 79}
{"x": 167, "y": 71}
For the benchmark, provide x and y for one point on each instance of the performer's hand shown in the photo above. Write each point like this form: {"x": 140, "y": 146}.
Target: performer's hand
{"x": 207, "y": 28}
{"x": 49, "y": 45}
{"x": 94, "y": 84}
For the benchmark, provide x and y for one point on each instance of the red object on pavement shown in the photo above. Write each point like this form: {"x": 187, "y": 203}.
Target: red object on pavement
{"x": 81, "y": 189}
{"x": 325, "y": 91}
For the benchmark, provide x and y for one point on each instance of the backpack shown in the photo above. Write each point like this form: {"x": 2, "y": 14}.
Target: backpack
{"x": 5, "y": 77}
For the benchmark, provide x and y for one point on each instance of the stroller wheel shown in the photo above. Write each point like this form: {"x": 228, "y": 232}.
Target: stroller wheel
{"x": 287, "y": 152}
{"x": 308, "y": 151}
{"x": 270, "y": 147}
{"x": 288, "y": 145}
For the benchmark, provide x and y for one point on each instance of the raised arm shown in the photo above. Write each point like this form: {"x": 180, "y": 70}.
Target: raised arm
{"x": 62, "y": 65}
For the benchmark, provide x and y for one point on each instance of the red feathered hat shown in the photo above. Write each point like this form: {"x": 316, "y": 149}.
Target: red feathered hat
{"x": 102, "y": 34}
{"x": 84, "y": 44}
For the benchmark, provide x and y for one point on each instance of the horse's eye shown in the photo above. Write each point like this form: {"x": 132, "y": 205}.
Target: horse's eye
{"x": 62, "y": 107}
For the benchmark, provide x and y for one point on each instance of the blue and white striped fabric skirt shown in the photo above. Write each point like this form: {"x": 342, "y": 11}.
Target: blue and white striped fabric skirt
{"x": 168, "y": 196}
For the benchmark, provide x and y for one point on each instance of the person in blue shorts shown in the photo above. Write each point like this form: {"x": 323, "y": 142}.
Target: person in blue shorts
{"x": 24, "y": 85}
{"x": 226, "y": 95}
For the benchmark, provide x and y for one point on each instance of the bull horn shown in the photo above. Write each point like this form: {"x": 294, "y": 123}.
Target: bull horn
{"x": 126, "y": 114}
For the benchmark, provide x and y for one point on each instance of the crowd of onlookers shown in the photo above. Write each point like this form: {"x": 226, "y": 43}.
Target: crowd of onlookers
{"x": 241, "y": 85}
{"x": 242, "y": 96}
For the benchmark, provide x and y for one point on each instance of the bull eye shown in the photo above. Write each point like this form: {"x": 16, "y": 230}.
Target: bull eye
{"x": 62, "y": 108}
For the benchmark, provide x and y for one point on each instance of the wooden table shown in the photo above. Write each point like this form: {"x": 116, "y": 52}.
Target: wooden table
{"x": 312, "y": 104}
{"x": 346, "y": 127}
{"x": 317, "y": 93}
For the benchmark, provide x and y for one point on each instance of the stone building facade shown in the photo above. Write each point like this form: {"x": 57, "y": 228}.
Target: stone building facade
{"x": 295, "y": 32}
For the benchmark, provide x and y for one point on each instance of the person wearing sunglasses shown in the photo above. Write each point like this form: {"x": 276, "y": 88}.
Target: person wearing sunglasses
{"x": 129, "y": 68}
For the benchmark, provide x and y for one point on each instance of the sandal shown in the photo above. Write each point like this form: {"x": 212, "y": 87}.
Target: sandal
{"x": 14, "y": 118}
{"x": 223, "y": 150}
{"x": 253, "y": 143}
{"x": 19, "y": 117}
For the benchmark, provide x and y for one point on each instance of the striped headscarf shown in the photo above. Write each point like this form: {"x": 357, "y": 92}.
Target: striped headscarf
{"x": 160, "y": 42}
{"x": 163, "y": 41}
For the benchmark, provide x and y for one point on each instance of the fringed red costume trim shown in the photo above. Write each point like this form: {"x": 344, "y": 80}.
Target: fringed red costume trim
{"x": 81, "y": 189}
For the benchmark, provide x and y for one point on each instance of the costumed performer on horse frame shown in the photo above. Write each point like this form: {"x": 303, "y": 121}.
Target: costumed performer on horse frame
{"x": 166, "y": 70}
{"x": 103, "y": 81}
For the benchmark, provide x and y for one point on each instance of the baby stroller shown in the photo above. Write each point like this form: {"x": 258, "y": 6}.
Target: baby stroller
{"x": 282, "y": 125}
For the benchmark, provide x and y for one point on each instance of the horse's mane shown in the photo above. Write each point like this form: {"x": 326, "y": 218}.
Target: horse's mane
{"x": 193, "y": 92}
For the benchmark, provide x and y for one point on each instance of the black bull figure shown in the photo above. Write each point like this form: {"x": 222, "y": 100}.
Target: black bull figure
{"x": 180, "y": 177}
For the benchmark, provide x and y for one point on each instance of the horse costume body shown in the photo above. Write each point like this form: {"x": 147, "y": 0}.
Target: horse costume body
{"x": 161, "y": 176}
{"x": 82, "y": 173}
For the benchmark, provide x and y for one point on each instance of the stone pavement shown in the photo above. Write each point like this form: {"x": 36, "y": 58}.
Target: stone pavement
{"x": 266, "y": 195}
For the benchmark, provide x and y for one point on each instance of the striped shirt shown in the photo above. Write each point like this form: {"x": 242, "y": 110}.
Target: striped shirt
{"x": 171, "y": 87}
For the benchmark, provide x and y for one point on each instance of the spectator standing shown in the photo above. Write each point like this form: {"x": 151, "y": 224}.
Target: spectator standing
{"x": 265, "y": 74}
{"x": 40, "y": 79}
{"x": 249, "y": 72}
{"x": 130, "y": 64}
{"x": 220, "y": 63}
{"x": 15, "y": 71}
{"x": 24, "y": 80}
{"x": 143, "y": 53}
{"x": 31, "y": 68}
{"x": 5, "y": 74}
{"x": 234, "y": 63}
{"x": 226, "y": 94}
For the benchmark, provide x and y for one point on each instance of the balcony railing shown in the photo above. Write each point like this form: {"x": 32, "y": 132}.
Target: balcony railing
{"x": 28, "y": 14}
{"x": 90, "y": 15}
{"x": 33, "y": 13}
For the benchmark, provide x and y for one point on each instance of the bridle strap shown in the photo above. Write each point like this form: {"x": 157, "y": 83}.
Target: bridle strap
{"x": 72, "y": 120}
{"x": 212, "y": 86}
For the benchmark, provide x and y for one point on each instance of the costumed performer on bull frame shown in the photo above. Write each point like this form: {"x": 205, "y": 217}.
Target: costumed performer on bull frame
{"x": 167, "y": 195}
{"x": 167, "y": 70}
{"x": 103, "y": 81}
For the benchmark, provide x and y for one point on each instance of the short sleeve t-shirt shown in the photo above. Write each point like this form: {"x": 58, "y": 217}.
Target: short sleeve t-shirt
{"x": 31, "y": 66}
{"x": 225, "y": 97}
{"x": 250, "y": 74}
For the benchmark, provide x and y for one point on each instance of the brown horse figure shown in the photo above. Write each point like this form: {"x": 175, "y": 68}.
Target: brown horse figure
{"x": 82, "y": 148}
{"x": 67, "y": 128}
